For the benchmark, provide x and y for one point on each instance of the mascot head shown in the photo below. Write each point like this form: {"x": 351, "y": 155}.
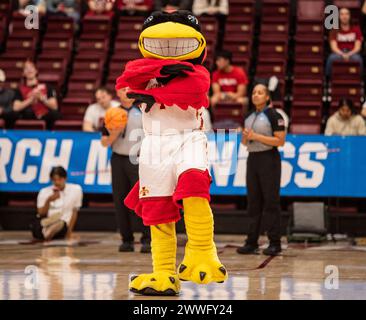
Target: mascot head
{"x": 176, "y": 35}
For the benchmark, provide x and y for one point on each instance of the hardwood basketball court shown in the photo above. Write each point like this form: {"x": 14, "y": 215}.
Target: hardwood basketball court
{"x": 89, "y": 267}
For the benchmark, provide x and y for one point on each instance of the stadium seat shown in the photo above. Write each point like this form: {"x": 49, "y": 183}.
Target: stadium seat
{"x": 308, "y": 89}
{"x": 348, "y": 72}
{"x": 68, "y": 125}
{"x": 240, "y": 9}
{"x": 30, "y": 125}
{"x": 299, "y": 128}
{"x": 310, "y": 11}
{"x": 306, "y": 115}
{"x": 275, "y": 11}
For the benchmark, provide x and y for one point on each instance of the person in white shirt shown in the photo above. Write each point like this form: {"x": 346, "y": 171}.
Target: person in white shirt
{"x": 94, "y": 115}
{"x": 210, "y": 7}
{"x": 57, "y": 208}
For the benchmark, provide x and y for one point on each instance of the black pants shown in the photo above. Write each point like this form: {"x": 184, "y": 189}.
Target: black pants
{"x": 36, "y": 229}
{"x": 50, "y": 117}
{"x": 9, "y": 117}
{"x": 263, "y": 186}
{"x": 124, "y": 176}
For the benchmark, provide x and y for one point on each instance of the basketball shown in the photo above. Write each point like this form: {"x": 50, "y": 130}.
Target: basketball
{"x": 115, "y": 118}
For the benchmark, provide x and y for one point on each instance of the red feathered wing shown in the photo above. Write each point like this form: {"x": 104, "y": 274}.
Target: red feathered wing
{"x": 181, "y": 91}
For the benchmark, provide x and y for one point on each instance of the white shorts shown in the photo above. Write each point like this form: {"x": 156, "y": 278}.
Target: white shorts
{"x": 164, "y": 158}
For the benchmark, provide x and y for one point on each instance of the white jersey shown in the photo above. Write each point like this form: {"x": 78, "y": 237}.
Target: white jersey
{"x": 168, "y": 120}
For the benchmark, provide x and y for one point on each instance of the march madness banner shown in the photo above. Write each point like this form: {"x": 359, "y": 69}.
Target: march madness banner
{"x": 311, "y": 165}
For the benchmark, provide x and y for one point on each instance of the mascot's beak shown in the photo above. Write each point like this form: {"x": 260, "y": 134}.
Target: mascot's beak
{"x": 171, "y": 40}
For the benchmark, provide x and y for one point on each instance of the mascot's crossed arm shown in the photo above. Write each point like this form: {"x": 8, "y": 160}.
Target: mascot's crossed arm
{"x": 170, "y": 85}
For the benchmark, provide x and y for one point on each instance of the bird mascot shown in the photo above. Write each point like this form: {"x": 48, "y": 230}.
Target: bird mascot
{"x": 170, "y": 85}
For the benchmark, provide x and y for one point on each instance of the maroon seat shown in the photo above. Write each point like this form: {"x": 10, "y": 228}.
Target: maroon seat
{"x": 305, "y": 128}
{"x": 272, "y": 50}
{"x": 308, "y": 71}
{"x": 310, "y": 10}
{"x": 306, "y": 115}
{"x": 68, "y": 125}
{"x": 346, "y": 72}
{"x": 241, "y": 9}
{"x": 30, "y": 125}
{"x": 229, "y": 111}
{"x": 278, "y": 31}
{"x": 241, "y": 28}
{"x": 2, "y": 124}
{"x": 308, "y": 89}
{"x": 275, "y": 11}
{"x": 309, "y": 51}
{"x": 267, "y": 69}
{"x": 59, "y": 27}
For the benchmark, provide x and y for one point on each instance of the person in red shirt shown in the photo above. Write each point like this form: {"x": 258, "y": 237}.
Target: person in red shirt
{"x": 345, "y": 42}
{"x": 229, "y": 83}
{"x": 100, "y": 8}
{"x": 134, "y": 7}
{"x": 35, "y": 100}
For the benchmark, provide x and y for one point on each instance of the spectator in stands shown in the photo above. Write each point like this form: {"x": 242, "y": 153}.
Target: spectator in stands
{"x": 134, "y": 7}
{"x": 100, "y": 7}
{"x": 35, "y": 100}
{"x": 39, "y": 4}
{"x": 345, "y": 121}
{"x": 57, "y": 208}
{"x": 210, "y": 7}
{"x": 94, "y": 115}
{"x": 68, "y": 8}
{"x": 6, "y": 102}
{"x": 345, "y": 43}
{"x": 167, "y": 5}
{"x": 229, "y": 83}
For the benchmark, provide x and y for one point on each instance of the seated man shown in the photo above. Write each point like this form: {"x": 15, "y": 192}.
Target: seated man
{"x": 57, "y": 208}
{"x": 35, "y": 100}
{"x": 94, "y": 115}
{"x": 229, "y": 83}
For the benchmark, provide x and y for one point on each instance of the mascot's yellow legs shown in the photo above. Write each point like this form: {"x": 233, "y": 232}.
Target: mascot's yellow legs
{"x": 200, "y": 264}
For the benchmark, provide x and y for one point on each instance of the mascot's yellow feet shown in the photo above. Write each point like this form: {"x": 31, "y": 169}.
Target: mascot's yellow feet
{"x": 201, "y": 263}
{"x": 202, "y": 267}
{"x": 159, "y": 283}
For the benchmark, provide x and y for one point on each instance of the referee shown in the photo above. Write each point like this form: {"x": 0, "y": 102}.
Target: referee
{"x": 125, "y": 172}
{"x": 264, "y": 131}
